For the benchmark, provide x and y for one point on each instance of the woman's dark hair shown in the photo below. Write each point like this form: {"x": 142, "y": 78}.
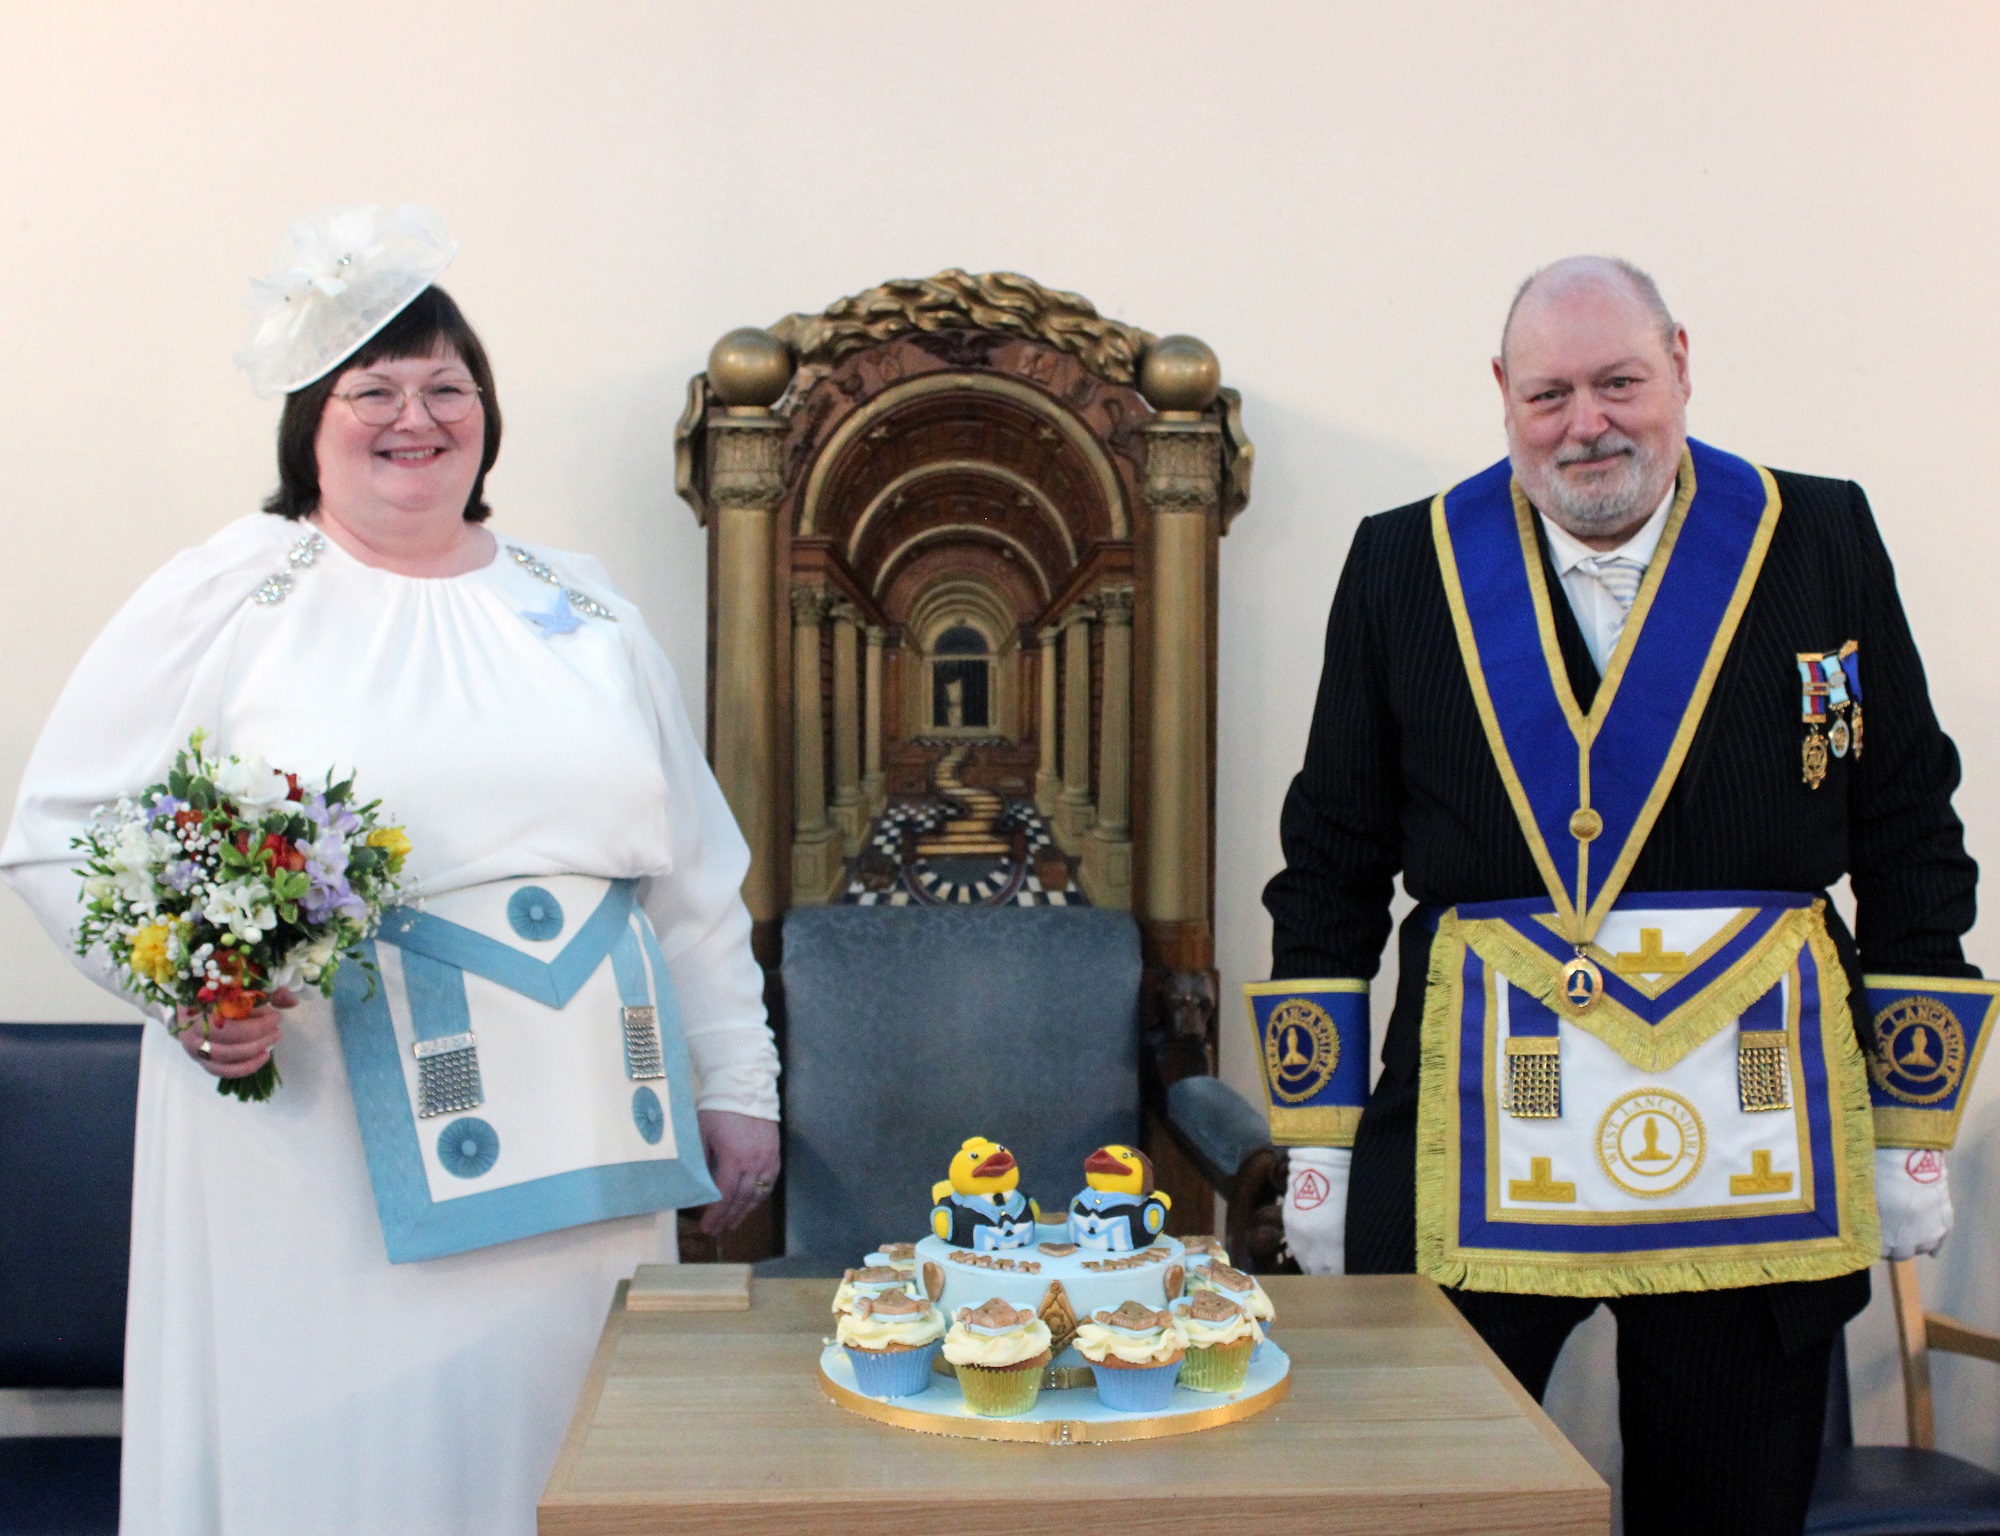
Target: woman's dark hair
{"x": 430, "y": 324}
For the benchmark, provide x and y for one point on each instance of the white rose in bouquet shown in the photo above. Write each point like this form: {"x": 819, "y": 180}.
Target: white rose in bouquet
{"x": 252, "y": 783}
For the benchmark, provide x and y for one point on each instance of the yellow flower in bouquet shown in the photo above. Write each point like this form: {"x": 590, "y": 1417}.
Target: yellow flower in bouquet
{"x": 394, "y": 842}
{"x": 149, "y": 953}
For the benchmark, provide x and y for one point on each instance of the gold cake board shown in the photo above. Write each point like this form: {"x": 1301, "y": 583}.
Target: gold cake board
{"x": 1047, "y": 1423}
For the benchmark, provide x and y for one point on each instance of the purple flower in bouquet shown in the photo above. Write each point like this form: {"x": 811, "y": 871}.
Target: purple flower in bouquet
{"x": 181, "y": 875}
{"x": 330, "y": 896}
{"x": 336, "y": 818}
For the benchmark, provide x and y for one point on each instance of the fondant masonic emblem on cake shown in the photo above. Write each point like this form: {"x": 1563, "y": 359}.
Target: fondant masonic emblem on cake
{"x": 1059, "y": 1315}
{"x": 1118, "y": 1209}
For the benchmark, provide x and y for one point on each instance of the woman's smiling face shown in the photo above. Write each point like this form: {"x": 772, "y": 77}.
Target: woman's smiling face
{"x": 416, "y": 465}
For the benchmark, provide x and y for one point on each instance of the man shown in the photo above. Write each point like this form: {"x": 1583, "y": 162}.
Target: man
{"x": 1601, "y": 707}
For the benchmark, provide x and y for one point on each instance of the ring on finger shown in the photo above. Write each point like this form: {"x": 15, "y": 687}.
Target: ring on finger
{"x": 207, "y": 1049}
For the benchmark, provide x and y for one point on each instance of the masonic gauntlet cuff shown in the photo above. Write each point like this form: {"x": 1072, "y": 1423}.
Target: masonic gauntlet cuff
{"x": 1312, "y": 1048}
{"x": 1929, "y": 1032}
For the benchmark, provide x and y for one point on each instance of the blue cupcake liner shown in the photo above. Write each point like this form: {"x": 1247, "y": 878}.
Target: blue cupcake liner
{"x": 1137, "y": 1391}
{"x": 893, "y": 1373}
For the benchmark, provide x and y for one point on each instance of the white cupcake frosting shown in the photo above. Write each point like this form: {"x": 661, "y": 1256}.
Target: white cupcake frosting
{"x": 880, "y": 1330}
{"x": 1207, "y": 1333}
{"x": 965, "y": 1346}
{"x": 1158, "y": 1346}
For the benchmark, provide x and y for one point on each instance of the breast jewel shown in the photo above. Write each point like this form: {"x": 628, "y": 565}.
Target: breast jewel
{"x": 277, "y": 586}
{"x": 558, "y": 619}
{"x": 582, "y": 602}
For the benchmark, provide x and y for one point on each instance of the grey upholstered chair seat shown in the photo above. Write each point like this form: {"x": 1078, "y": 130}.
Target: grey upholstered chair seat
{"x": 909, "y": 1029}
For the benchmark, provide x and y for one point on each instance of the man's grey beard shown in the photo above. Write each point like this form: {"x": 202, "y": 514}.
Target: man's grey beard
{"x": 1619, "y": 502}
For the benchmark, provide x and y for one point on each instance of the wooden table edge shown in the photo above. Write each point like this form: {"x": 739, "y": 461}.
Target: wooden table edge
{"x": 1536, "y": 1414}
{"x": 1573, "y": 1511}
{"x": 585, "y": 1412}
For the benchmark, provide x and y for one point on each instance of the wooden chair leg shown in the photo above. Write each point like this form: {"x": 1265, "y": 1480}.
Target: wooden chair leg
{"x": 1913, "y": 1336}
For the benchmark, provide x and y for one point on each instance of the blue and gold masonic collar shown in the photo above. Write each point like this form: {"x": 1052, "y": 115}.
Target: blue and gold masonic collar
{"x": 1587, "y": 787}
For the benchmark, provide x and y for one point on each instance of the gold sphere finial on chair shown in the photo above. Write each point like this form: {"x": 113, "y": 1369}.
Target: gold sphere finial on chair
{"x": 1180, "y": 375}
{"x": 749, "y": 367}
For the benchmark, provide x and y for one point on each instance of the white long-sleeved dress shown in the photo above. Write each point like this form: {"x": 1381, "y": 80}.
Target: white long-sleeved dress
{"x": 283, "y": 1378}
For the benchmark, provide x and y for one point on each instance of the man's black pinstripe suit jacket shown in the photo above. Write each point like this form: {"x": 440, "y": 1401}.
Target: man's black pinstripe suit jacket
{"x": 1398, "y": 780}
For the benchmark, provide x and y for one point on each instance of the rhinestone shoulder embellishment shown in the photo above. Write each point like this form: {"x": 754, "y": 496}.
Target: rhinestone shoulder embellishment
{"x": 582, "y": 602}
{"x": 276, "y": 587}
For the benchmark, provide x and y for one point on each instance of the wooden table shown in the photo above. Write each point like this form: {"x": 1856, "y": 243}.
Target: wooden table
{"x": 1399, "y": 1419}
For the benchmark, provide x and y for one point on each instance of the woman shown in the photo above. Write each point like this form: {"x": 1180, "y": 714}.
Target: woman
{"x": 318, "y": 1342}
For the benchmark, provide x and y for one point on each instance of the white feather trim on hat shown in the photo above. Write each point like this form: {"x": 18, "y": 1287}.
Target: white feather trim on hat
{"x": 337, "y": 278}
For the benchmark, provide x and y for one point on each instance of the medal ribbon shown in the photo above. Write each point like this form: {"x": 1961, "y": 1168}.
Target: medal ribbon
{"x": 1588, "y": 787}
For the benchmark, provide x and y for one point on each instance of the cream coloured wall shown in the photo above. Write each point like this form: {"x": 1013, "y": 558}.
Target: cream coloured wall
{"x": 1339, "y": 198}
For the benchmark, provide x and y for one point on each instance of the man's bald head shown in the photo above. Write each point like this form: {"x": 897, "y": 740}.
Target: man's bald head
{"x": 1560, "y": 279}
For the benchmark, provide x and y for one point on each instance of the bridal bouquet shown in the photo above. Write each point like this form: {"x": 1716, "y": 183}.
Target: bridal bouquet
{"x": 231, "y": 880}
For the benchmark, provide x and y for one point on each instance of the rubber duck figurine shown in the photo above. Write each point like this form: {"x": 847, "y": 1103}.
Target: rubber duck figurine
{"x": 980, "y": 1206}
{"x": 1119, "y": 1209}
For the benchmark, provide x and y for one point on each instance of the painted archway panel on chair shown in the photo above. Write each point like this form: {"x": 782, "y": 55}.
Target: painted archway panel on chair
{"x": 964, "y": 539}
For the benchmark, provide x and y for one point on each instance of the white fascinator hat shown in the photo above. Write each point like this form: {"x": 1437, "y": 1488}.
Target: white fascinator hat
{"x": 337, "y": 277}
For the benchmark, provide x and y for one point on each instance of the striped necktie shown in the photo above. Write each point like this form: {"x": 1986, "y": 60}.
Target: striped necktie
{"x": 1618, "y": 576}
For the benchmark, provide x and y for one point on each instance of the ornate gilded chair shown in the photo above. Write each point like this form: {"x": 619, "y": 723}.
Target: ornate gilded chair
{"x": 963, "y": 539}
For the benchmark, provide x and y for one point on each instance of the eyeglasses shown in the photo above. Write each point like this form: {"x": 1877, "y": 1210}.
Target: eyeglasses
{"x": 380, "y": 405}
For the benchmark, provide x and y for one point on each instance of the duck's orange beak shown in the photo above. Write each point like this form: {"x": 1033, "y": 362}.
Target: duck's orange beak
{"x": 995, "y": 1163}
{"x": 1104, "y": 1160}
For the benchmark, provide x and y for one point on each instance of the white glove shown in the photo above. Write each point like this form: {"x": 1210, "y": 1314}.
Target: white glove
{"x": 1316, "y": 1208}
{"x": 1914, "y": 1197}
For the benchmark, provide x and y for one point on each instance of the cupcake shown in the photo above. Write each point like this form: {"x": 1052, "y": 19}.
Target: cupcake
{"x": 871, "y": 1280}
{"x": 1135, "y": 1354}
{"x": 1220, "y": 1338}
{"x": 1204, "y": 1247}
{"x": 1217, "y": 1276}
{"x": 999, "y": 1352}
{"x": 891, "y": 1339}
{"x": 901, "y": 1257}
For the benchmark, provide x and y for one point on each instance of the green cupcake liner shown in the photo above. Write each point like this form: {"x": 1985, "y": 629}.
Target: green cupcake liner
{"x": 1218, "y": 1367}
{"x": 996, "y": 1394}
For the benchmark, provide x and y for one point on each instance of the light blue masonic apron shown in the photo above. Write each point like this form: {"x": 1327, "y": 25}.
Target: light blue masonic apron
{"x": 1623, "y": 1092}
{"x": 519, "y": 1066}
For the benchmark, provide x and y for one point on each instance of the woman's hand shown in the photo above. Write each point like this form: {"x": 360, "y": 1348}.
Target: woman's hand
{"x": 233, "y": 1047}
{"x": 743, "y": 1160}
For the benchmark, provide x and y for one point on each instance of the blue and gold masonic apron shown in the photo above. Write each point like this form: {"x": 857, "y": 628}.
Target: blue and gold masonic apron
{"x": 1626, "y": 1093}
{"x": 518, "y": 1066}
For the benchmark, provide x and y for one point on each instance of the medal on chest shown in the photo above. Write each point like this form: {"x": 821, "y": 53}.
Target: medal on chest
{"x": 1830, "y": 706}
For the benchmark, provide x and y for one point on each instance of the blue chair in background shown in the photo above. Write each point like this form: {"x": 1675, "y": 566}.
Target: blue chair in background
{"x": 1898, "y": 1490}
{"x": 908, "y": 1029}
{"x": 68, "y": 1096}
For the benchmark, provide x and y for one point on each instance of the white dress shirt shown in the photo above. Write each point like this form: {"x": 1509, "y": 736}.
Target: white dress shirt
{"x": 1599, "y": 612}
